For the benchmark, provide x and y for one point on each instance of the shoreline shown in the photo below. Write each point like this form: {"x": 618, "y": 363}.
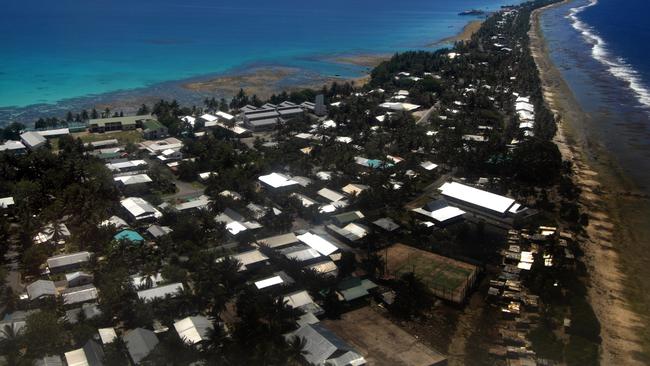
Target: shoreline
{"x": 261, "y": 79}
{"x": 607, "y": 291}
{"x": 464, "y": 35}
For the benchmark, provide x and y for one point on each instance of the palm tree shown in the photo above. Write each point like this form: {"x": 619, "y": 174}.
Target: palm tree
{"x": 149, "y": 273}
{"x": 296, "y": 349}
{"x": 184, "y": 302}
{"x": 10, "y": 343}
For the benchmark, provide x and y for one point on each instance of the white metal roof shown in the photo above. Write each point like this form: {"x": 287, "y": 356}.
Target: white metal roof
{"x": 128, "y": 180}
{"x": 139, "y": 208}
{"x": 524, "y": 106}
{"x": 399, "y": 106}
{"x": 329, "y": 124}
{"x": 225, "y": 115}
{"x": 268, "y": 282}
{"x": 354, "y": 188}
{"x": 12, "y": 145}
{"x": 193, "y": 329}
{"x": 116, "y": 221}
{"x": 331, "y": 195}
{"x": 6, "y": 202}
{"x": 277, "y": 180}
{"x": 160, "y": 291}
{"x": 477, "y": 197}
{"x": 442, "y": 214}
{"x": 126, "y": 164}
{"x": 107, "y": 335}
{"x": 427, "y": 165}
{"x": 298, "y": 299}
{"x": 358, "y": 230}
{"x": 316, "y": 242}
{"x": 76, "y": 358}
{"x": 208, "y": 117}
{"x": 235, "y": 227}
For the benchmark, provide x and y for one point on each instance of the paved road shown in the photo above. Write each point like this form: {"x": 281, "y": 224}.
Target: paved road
{"x": 425, "y": 196}
{"x": 425, "y": 116}
{"x": 185, "y": 190}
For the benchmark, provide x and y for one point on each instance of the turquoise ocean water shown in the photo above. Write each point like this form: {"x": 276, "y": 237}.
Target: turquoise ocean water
{"x": 53, "y": 51}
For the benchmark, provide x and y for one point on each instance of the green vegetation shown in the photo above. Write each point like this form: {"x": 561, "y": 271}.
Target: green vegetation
{"x": 467, "y": 95}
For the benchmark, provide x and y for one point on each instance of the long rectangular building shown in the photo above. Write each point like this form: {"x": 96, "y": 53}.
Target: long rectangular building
{"x": 496, "y": 208}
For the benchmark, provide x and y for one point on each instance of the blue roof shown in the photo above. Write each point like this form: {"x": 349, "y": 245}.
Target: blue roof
{"x": 375, "y": 163}
{"x": 129, "y": 235}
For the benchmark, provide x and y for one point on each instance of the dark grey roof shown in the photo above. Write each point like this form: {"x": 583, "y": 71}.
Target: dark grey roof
{"x": 94, "y": 353}
{"x": 262, "y": 114}
{"x": 157, "y": 231}
{"x": 386, "y": 223}
{"x": 321, "y": 343}
{"x": 436, "y": 205}
{"x": 140, "y": 342}
{"x": 40, "y": 288}
{"x": 290, "y": 111}
{"x": 279, "y": 240}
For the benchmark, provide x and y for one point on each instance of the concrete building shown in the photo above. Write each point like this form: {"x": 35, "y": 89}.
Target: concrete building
{"x": 32, "y": 140}
{"x": 117, "y": 123}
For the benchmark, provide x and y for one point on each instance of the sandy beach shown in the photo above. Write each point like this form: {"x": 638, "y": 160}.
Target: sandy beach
{"x": 464, "y": 35}
{"x": 603, "y": 240}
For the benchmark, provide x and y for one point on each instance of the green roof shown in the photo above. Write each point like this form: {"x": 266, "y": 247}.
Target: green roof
{"x": 151, "y": 124}
{"x": 353, "y": 288}
{"x": 111, "y": 155}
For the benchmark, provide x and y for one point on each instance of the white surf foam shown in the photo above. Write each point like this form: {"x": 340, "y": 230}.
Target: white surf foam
{"x": 617, "y": 66}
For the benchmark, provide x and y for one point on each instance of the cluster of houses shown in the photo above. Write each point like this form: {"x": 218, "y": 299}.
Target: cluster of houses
{"x": 317, "y": 248}
{"x": 520, "y": 310}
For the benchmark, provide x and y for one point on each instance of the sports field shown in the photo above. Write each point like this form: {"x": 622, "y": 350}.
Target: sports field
{"x": 447, "y": 278}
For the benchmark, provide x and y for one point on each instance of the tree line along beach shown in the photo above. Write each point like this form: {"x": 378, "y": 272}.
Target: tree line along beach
{"x": 617, "y": 237}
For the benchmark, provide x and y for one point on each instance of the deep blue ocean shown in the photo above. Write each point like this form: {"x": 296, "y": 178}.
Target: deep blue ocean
{"x": 55, "y": 50}
{"x": 601, "y": 49}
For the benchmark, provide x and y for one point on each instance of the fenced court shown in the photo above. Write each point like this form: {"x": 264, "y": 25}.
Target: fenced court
{"x": 447, "y": 278}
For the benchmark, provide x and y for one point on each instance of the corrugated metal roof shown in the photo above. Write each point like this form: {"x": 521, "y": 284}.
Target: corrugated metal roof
{"x": 160, "y": 292}
{"x": 68, "y": 259}
{"x": 279, "y": 240}
{"x": 316, "y": 242}
{"x": 79, "y": 294}
{"x": 41, "y": 288}
{"x": 140, "y": 342}
{"x": 193, "y": 329}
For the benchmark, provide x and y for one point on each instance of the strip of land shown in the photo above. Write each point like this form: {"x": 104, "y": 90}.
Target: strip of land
{"x": 464, "y": 35}
{"x": 619, "y": 324}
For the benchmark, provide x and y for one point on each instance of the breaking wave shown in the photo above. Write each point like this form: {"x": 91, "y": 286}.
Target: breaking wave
{"x": 617, "y": 66}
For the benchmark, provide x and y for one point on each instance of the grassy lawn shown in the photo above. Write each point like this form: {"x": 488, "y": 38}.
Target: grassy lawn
{"x": 446, "y": 277}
